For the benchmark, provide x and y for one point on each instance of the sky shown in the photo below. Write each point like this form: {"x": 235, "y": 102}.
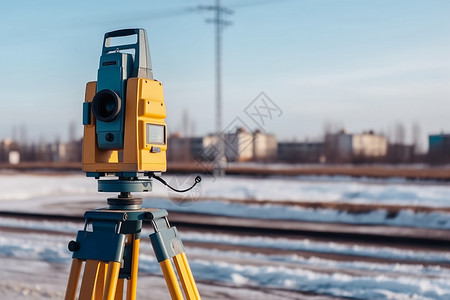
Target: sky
{"x": 359, "y": 65}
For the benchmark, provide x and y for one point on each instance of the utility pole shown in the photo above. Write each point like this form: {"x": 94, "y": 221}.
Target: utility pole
{"x": 220, "y": 23}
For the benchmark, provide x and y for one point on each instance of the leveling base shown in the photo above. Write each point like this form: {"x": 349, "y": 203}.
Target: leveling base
{"x": 108, "y": 246}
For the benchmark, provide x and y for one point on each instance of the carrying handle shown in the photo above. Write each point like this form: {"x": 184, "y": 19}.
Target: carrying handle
{"x": 142, "y": 66}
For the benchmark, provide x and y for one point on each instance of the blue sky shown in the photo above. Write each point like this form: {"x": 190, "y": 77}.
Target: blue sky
{"x": 358, "y": 64}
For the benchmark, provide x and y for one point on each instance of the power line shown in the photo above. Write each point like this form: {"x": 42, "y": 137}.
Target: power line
{"x": 251, "y": 3}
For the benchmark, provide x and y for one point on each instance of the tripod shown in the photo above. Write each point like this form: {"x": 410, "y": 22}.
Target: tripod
{"x": 109, "y": 248}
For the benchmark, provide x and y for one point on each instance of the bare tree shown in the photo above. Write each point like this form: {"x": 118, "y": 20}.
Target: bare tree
{"x": 416, "y": 132}
{"x": 185, "y": 123}
{"x": 72, "y": 131}
{"x": 331, "y": 131}
{"x": 193, "y": 127}
{"x": 23, "y": 136}
{"x": 399, "y": 134}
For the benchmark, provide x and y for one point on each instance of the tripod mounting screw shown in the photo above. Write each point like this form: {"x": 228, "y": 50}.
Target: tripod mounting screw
{"x": 73, "y": 246}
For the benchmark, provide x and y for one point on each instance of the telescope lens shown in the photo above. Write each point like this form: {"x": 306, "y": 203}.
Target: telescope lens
{"x": 106, "y": 105}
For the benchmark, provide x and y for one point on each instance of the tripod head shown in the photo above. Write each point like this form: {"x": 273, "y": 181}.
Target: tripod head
{"x": 126, "y": 183}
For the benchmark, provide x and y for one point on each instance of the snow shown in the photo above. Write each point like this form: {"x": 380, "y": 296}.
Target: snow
{"x": 298, "y": 189}
{"x": 16, "y": 187}
{"x": 406, "y": 217}
{"x": 328, "y": 189}
{"x": 35, "y": 192}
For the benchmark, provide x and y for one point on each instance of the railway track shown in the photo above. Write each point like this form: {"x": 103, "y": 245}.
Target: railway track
{"x": 405, "y": 237}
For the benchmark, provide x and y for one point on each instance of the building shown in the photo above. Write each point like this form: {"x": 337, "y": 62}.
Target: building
{"x": 369, "y": 145}
{"x": 400, "y": 153}
{"x": 14, "y": 153}
{"x": 238, "y": 146}
{"x": 265, "y": 147}
{"x": 9, "y": 152}
{"x": 186, "y": 149}
{"x": 70, "y": 152}
{"x": 4, "y": 150}
{"x": 178, "y": 148}
{"x": 439, "y": 148}
{"x": 242, "y": 145}
{"x": 301, "y": 152}
{"x": 343, "y": 147}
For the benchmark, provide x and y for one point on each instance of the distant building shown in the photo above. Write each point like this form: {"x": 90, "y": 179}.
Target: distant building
{"x": 178, "y": 148}
{"x": 242, "y": 145}
{"x": 14, "y": 157}
{"x": 343, "y": 147}
{"x": 9, "y": 152}
{"x": 4, "y": 150}
{"x": 238, "y": 146}
{"x": 14, "y": 153}
{"x": 400, "y": 153}
{"x": 186, "y": 149}
{"x": 439, "y": 148}
{"x": 48, "y": 152}
{"x": 265, "y": 147}
{"x": 70, "y": 152}
{"x": 369, "y": 145}
{"x": 301, "y": 152}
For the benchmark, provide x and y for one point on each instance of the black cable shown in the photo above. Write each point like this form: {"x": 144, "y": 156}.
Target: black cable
{"x": 198, "y": 179}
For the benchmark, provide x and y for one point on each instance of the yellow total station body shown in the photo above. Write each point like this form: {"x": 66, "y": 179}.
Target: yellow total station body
{"x": 145, "y": 112}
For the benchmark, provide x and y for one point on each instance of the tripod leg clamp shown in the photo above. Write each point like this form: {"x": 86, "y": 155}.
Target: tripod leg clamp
{"x": 104, "y": 246}
{"x": 166, "y": 243}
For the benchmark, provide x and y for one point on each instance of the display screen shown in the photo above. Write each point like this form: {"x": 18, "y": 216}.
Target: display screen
{"x": 156, "y": 134}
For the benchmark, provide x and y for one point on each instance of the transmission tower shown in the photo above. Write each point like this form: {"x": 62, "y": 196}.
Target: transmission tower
{"x": 219, "y": 12}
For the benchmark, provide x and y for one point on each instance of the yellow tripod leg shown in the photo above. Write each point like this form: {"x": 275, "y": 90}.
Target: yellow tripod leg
{"x": 186, "y": 277}
{"x": 119, "y": 290}
{"x": 88, "y": 283}
{"x": 171, "y": 280}
{"x": 72, "y": 284}
{"x": 111, "y": 280}
{"x": 101, "y": 280}
{"x": 132, "y": 283}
